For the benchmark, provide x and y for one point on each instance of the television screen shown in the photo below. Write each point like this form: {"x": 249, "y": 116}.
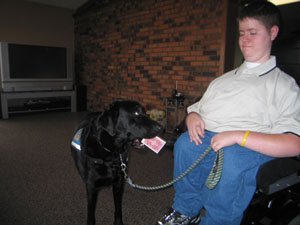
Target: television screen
{"x": 35, "y": 68}
{"x": 37, "y": 62}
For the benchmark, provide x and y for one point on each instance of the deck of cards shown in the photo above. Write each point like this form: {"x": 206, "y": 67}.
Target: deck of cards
{"x": 155, "y": 144}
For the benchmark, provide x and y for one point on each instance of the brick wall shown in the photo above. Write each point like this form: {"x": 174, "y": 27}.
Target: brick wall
{"x": 138, "y": 49}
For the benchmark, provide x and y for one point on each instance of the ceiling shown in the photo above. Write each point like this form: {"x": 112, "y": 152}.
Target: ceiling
{"x": 68, "y": 4}
{"x": 74, "y": 4}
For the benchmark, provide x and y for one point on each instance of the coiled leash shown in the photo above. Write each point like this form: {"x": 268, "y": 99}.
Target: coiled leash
{"x": 212, "y": 180}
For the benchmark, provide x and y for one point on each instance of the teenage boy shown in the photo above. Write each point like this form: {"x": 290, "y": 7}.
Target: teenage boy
{"x": 252, "y": 112}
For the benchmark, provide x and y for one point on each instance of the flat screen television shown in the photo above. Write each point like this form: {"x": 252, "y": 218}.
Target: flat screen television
{"x": 35, "y": 68}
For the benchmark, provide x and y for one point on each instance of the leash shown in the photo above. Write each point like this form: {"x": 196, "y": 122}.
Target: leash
{"x": 211, "y": 182}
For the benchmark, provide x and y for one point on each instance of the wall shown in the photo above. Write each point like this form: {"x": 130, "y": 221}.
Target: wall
{"x": 139, "y": 49}
{"x": 31, "y": 23}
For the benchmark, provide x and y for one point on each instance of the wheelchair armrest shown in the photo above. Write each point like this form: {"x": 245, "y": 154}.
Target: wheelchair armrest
{"x": 281, "y": 184}
{"x": 278, "y": 174}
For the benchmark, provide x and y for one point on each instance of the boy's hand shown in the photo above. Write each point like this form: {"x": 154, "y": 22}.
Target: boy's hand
{"x": 196, "y": 127}
{"x": 224, "y": 139}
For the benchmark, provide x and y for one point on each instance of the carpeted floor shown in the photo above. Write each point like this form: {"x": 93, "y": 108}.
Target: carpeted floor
{"x": 39, "y": 184}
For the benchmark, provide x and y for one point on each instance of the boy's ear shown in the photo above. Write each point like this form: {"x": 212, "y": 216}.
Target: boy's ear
{"x": 274, "y": 32}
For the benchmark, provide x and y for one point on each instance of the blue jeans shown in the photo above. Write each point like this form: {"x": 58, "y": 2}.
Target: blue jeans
{"x": 225, "y": 203}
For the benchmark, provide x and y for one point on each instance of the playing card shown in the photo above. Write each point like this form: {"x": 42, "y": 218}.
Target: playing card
{"x": 155, "y": 144}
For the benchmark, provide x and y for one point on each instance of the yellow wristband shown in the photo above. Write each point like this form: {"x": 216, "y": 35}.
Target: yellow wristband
{"x": 245, "y": 138}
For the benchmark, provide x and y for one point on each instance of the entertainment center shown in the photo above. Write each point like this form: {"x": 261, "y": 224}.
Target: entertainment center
{"x": 35, "y": 78}
{"x": 22, "y": 102}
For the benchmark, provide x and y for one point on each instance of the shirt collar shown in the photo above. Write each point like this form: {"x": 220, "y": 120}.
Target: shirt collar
{"x": 258, "y": 71}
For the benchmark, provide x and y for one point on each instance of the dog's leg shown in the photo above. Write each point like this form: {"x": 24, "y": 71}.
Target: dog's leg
{"x": 92, "y": 194}
{"x": 118, "y": 189}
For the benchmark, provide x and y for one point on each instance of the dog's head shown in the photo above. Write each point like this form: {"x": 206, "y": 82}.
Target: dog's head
{"x": 127, "y": 121}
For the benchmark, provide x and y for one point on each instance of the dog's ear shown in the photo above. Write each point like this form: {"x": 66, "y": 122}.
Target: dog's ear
{"x": 108, "y": 120}
{"x": 105, "y": 121}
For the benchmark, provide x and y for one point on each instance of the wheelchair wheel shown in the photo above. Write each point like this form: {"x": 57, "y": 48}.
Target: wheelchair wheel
{"x": 295, "y": 221}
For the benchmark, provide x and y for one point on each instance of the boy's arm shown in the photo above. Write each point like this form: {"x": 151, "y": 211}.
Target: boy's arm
{"x": 275, "y": 145}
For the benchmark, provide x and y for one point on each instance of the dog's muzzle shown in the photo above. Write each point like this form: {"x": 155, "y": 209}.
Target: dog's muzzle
{"x": 137, "y": 144}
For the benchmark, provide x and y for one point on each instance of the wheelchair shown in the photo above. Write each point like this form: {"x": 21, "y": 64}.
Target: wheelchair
{"x": 277, "y": 198}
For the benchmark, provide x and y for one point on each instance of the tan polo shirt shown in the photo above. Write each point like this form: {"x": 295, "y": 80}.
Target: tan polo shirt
{"x": 262, "y": 99}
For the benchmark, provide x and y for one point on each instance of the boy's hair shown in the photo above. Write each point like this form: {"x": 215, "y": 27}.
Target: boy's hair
{"x": 262, "y": 10}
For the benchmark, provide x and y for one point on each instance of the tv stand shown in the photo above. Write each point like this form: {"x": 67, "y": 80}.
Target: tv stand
{"x": 6, "y": 97}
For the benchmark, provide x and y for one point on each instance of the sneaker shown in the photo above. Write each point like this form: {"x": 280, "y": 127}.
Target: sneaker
{"x": 175, "y": 218}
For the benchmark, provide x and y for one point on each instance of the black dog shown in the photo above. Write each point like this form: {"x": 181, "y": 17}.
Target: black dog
{"x": 101, "y": 143}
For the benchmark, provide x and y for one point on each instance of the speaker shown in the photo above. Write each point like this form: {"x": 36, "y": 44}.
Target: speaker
{"x": 81, "y": 98}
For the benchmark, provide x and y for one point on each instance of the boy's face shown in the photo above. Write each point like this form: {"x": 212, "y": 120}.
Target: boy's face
{"x": 255, "y": 40}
